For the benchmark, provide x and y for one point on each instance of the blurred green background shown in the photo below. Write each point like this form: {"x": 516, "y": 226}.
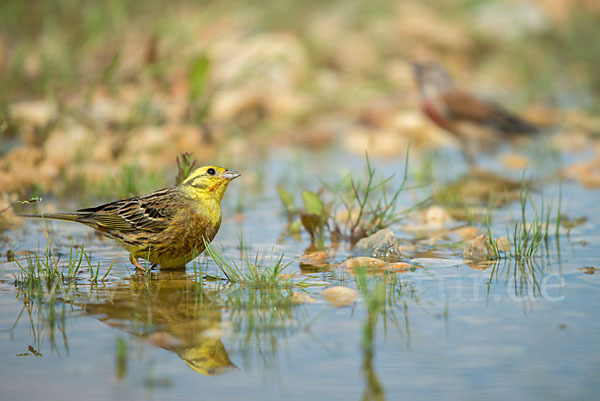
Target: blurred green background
{"x": 115, "y": 88}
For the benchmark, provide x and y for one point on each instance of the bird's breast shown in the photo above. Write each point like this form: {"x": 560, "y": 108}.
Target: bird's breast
{"x": 435, "y": 115}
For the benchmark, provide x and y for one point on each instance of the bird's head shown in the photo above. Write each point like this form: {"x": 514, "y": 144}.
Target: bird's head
{"x": 432, "y": 79}
{"x": 208, "y": 182}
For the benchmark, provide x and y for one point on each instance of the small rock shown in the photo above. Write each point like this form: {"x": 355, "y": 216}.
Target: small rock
{"x": 340, "y": 296}
{"x": 19, "y": 168}
{"x": 479, "y": 250}
{"x": 398, "y": 267}
{"x": 478, "y": 187}
{"x": 503, "y": 244}
{"x": 587, "y": 173}
{"x": 37, "y": 113}
{"x": 81, "y": 142}
{"x": 418, "y": 129}
{"x": 515, "y": 161}
{"x": 591, "y": 179}
{"x": 314, "y": 260}
{"x": 345, "y": 216}
{"x": 419, "y": 21}
{"x": 362, "y": 262}
{"x": 22, "y": 156}
{"x": 383, "y": 245}
{"x": 302, "y": 298}
{"x": 407, "y": 248}
{"x": 436, "y": 216}
{"x": 573, "y": 139}
{"x": 433, "y": 219}
{"x": 381, "y": 142}
{"x": 467, "y": 233}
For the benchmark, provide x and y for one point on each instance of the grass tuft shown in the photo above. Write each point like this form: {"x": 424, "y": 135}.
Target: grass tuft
{"x": 526, "y": 234}
{"x": 256, "y": 274}
{"x": 185, "y": 165}
{"x": 369, "y": 206}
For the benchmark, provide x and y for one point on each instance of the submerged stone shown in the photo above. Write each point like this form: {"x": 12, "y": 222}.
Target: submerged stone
{"x": 398, "y": 267}
{"x": 479, "y": 250}
{"x": 340, "y": 296}
{"x": 362, "y": 261}
{"x": 467, "y": 233}
{"x": 382, "y": 245}
{"x": 317, "y": 258}
{"x": 301, "y": 298}
{"x": 314, "y": 260}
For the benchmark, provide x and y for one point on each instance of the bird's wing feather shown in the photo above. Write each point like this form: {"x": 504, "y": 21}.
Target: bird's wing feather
{"x": 510, "y": 123}
{"x": 465, "y": 106}
{"x": 150, "y": 213}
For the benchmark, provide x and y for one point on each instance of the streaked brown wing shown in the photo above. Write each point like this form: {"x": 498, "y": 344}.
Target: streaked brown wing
{"x": 510, "y": 123}
{"x": 150, "y": 213}
{"x": 465, "y": 106}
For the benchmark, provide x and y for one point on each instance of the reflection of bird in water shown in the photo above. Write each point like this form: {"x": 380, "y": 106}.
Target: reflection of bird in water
{"x": 166, "y": 227}
{"x": 477, "y": 124}
{"x": 169, "y": 314}
{"x": 209, "y": 357}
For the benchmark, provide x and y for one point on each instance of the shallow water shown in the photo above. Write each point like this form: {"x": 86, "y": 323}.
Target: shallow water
{"x": 448, "y": 331}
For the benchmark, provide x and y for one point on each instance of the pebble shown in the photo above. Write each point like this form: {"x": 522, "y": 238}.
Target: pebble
{"x": 479, "y": 250}
{"x": 340, "y": 296}
{"x": 383, "y": 245}
{"x": 362, "y": 261}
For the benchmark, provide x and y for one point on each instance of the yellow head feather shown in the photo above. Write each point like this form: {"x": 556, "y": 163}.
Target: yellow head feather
{"x": 208, "y": 182}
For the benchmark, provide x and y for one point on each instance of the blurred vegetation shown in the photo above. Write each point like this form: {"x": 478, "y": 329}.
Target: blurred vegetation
{"x": 51, "y": 47}
{"x": 159, "y": 78}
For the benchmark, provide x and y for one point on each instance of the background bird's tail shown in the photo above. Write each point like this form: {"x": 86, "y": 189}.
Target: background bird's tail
{"x": 509, "y": 123}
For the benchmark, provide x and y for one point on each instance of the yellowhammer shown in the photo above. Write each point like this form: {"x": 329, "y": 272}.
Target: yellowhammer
{"x": 167, "y": 227}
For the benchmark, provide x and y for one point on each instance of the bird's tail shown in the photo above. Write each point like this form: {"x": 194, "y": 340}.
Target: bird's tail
{"x": 55, "y": 216}
{"x": 509, "y": 123}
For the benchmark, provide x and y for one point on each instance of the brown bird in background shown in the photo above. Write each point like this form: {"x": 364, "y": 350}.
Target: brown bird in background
{"x": 477, "y": 124}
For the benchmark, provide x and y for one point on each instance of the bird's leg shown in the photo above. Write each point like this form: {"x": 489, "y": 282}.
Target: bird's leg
{"x": 469, "y": 155}
{"x": 469, "y": 152}
{"x": 135, "y": 262}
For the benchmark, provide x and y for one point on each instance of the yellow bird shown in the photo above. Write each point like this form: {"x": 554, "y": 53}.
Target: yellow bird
{"x": 167, "y": 227}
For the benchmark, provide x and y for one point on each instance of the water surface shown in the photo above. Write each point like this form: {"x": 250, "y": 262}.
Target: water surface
{"x": 449, "y": 330}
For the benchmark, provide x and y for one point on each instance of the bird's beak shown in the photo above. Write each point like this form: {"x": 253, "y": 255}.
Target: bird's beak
{"x": 230, "y": 174}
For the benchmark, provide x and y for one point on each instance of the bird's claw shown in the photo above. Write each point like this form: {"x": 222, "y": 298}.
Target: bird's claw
{"x": 137, "y": 264}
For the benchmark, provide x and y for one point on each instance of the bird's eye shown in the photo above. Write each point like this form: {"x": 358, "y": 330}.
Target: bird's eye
{"x": 211, "y": 171}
